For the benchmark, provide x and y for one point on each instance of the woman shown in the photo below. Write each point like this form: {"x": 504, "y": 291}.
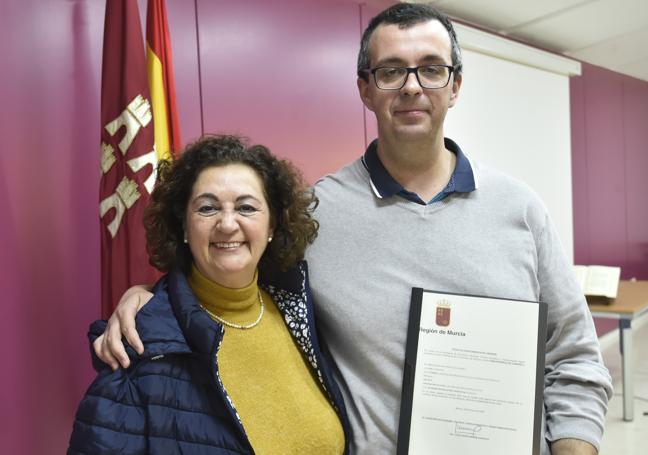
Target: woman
{"x": 230, "y": 366}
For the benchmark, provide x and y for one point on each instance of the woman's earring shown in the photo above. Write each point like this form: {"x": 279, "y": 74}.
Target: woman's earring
{"x": 185, "y": 238}
{"x": 269, "y": 239}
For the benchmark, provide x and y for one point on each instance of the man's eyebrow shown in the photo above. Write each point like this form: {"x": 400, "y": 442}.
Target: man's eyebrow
{"x": 390, "y": 61}
{"x": 433, "y": 58}
{"x": 397, "y": 61}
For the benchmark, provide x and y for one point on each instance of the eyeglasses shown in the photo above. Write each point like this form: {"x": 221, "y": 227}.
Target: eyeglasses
{"x": 428, "y": 76}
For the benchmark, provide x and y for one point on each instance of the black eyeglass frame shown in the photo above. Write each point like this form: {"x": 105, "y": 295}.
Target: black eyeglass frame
{"x": 410, "y": 70}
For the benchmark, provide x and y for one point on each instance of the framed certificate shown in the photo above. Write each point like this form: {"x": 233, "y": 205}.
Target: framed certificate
{"x": 474, "y": 375}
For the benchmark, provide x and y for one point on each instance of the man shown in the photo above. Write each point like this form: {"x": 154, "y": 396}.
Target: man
{"x": 414, "y": 211}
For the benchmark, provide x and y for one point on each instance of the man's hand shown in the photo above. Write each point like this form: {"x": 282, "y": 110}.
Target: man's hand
{"x": 572, "y": 447}
{"x": 109, "y": 347}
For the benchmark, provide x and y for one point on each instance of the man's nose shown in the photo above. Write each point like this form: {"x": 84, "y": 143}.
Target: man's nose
{"x": 412, "y": 86}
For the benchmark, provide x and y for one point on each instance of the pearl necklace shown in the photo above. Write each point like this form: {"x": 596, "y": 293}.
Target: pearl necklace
{"x": 217, "y": 318}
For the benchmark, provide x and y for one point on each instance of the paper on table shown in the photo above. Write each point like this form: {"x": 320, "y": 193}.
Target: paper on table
{"x": 598, "y": 280}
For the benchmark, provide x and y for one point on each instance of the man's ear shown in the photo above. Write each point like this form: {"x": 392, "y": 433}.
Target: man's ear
{"x": 364, "y": 91}
{"x": 456, "y": 85}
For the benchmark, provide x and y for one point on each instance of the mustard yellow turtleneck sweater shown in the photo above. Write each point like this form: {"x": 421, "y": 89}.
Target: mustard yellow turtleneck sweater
{"x": 280, "y": 402}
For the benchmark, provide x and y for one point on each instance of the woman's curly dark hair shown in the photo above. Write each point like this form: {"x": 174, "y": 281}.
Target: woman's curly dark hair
{"x": 291, "y": 203}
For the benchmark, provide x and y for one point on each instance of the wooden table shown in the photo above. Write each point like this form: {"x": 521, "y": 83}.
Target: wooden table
{"x": 630, "y": 303}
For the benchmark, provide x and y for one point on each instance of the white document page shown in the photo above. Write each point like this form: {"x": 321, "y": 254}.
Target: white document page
{"x": 475, "y": 376}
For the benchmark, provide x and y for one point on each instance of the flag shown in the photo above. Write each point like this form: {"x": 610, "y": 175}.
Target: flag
{"x": 161, "y": 81}
{"x": 128, "y": 157}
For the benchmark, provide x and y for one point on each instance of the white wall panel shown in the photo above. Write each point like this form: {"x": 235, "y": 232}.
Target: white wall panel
{"x": 516, "y": 118}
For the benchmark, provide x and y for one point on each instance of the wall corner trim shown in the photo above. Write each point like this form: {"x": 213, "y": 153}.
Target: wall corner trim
{"x": 497, "y": 46}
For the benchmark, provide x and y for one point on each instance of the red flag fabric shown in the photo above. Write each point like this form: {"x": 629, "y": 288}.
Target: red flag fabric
{"x": 161, "y": 80}
{"x": 128, "y": 158}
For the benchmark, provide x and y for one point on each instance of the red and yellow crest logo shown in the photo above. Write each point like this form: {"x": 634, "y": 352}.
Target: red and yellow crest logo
{"x": 443, "y": 313}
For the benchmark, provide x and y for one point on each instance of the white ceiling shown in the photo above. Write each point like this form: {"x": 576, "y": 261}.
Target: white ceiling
{"x": 608, "y": 33}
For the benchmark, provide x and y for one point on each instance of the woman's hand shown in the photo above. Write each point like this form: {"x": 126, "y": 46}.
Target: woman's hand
{"x": 109, "y": 347}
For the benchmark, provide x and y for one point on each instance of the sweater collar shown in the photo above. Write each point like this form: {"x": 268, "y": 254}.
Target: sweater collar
{"x": 463, "y": 179}
{"x": 237, "y": 305}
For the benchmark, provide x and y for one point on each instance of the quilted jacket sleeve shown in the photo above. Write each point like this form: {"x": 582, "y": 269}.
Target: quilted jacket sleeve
{"x": 110, "y": 418}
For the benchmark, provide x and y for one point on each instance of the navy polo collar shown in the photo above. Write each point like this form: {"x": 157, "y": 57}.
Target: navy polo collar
{"x": 463, "y": 178}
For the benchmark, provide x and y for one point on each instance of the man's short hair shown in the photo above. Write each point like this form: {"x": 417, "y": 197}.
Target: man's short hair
{"x": 406, "y": 15}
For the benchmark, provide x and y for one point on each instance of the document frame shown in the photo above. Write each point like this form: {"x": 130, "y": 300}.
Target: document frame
{"x": 410, "y": 366}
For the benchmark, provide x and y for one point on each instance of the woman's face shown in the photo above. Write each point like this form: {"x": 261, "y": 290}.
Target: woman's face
{"x": 227, "y": 224}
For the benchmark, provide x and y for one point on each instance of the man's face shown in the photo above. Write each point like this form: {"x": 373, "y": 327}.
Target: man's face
{"x": 411, "y": 113}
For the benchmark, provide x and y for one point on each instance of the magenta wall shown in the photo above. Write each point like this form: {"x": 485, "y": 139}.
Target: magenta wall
{"x": 609, "y": 167}
{"x": 281, "y": 72}
{"x": 49, "y": 173}
{"x": 284, "y": 77}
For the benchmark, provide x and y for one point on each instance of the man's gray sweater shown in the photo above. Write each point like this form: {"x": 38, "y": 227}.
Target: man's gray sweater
{"x": 497, "y": 241}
